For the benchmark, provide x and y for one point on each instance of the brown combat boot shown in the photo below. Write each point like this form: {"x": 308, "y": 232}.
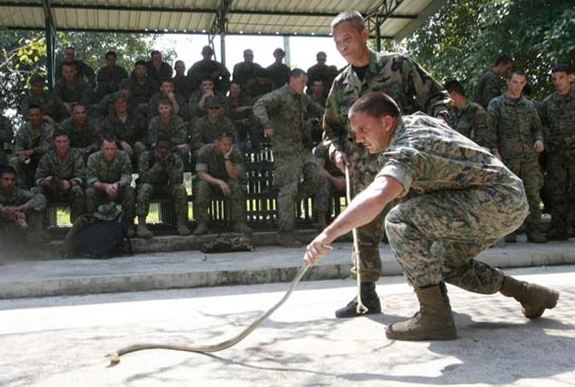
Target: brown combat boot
{"x": 182, "y": 228}
{"x": 201, "y": 229}
{"x": 534, "y": 299}
{"x": 434, "y": 320}
{"x": 143, "y": 232}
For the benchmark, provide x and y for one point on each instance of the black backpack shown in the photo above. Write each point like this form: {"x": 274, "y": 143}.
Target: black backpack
{"x": 101, "y": 239}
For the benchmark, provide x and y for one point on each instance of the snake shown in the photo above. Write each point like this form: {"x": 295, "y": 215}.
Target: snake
{"x": 114, "y": 357}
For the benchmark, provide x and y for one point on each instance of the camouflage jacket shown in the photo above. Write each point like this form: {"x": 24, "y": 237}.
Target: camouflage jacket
{"x": 489, "y": 86}
{"x": 427, "y": 156}
{"x": 213, "y": 163}
{"x": 152, "y": 171}
{"x": 176, "y": 130}
{"x": 471, "y": 121}
{"x": 118, "y": 170}
{"x": 286, "y": 112}
{"x": 6, "y": 134}
{"x": 216, "y": 71}
{"x": 205, "y": 131}
{"x": 21, "y": 196}
{"x": 279, "y": 74}
{"x": 71, "y": 167}
{"x": 557, "y": 114}
{"x": 40, "y": 141}
{"x": 516, "y": 125}
{"x": 31, "y": 99}
{"x": 245, "y": 71}
{"x": 87, "y": 137}
{"x": 80, "y": 93}
{"x": 109, "y": 80}
{"x": 131, "y": 131}
{"x": 396, "y": 75}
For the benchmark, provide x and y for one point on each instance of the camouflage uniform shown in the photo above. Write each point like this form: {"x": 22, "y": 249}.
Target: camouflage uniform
{"x": 31, "y": 99}
{"x": 60, "y": 94}
{"x": 184, "y": 108}
{"x": 29, "y": 139}
{"x": 216, "y": 71}
{"x": 285, "y": 112}
{"x": 109, "y": 80}
{"x": 71, "y": 168}
{"x": 489, "y": 86}
{"x": 212, "y": 163}
{"x": 321, "y": 72}
{"x": 458, "y": 200}
{"x": 279, "y": 74}
{"x": 118, "y": 171}
{"x": 558, "y": 117}
{"x": 517, "y": 127}
{"x": 157, "y": 179}
{"x": 11, "y": 232}
{"x": 471, "y": 121}
{"x": 413, "y": 90}
{"x": 205, "y": 131}
{"x": 133, "y": 131}
{"x": 176, "y": 131}
{"x": 85, "y": 138}
{"x": 195, "y": 110}
{"x": 245, "y": 71}
{"x": 6, "y": 136}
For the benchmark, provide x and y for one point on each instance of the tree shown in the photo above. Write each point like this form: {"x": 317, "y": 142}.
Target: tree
{"x": 464, "y": 37}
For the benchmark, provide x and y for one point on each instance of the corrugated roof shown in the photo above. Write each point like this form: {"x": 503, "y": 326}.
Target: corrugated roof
{"x": 282, "y": 17}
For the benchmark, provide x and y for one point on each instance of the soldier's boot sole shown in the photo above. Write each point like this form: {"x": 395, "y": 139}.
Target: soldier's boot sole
{"x": 434, "y": 320}
{"x": 534, "y": 299}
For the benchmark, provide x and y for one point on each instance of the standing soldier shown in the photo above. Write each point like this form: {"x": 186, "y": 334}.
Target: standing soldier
{"x": 321, "y": 72}
{"x": 161, "y": 174}
{"x": 221, "y": 171}
{"x": 282, "y": 113}
{"x": 469, "y": 118}
{"x": 207, "y": 68}
{"x": 279, "y": 71}
{"x": 491, "y": 83}
{"x": 109, "y": 76}
{"x": 108, "y": 176}
{"x": 413, "y": 89}
{"x": 514, "y": 120}
{"x": 557, "y": 113}
{"x": 60, "y": 175}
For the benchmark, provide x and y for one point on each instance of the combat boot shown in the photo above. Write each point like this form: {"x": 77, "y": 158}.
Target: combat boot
{"x": 534, "y": 299}
{"x": 201, "y": 229}
{"x": 242, "y": 228}
{"x": 143, "y": 232}
{"x": 536, "y": 236}
{"x": 369, "y": 298}
{"x": 434, "y": 320}
{"x": 183, "y": 230}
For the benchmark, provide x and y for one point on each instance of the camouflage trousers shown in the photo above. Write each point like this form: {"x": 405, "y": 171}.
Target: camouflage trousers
{"x": 530, "y": 173}
{"x": 435, "y": 237}
{"x": 206, "y": 191}
{"x": 126, "y": 196}
{"x": 560, "y": 185}
{"x": 362, "y": 170}
{"x": 177, "y": 193}
{"x": 75, "y": 197}
{"x": 298, "y": 175}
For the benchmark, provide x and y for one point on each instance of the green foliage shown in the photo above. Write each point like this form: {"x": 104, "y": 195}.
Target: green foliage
{"x": 464, "y": 37}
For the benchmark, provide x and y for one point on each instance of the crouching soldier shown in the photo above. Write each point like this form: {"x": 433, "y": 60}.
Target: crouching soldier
{"x": 60, "y": 175}
{"x": 20, "y": 210}
{"x": 108, "y": 175}
{"x": 220, "y": 171}
{"x": 161, "y": 174}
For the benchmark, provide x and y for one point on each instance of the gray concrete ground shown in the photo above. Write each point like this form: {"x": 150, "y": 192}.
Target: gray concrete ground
{"x": 186, "y": 269}
{"x": 61, "y": 341}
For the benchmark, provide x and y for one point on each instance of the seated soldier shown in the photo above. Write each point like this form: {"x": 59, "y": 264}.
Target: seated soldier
{"x": 105, "y": 106}
{"x": 170, "y": 125}
{"x": 37, "y": 96}
{"x": 110, "y": 75}
{"x": 60, "y": 174}
{"x": 200, "y": 97}
{"x": 108, "y": 176}
{"x": 83, "y": 131}
{"x": 128, "y": 126}
{"x": 206, "y": 129}
{"x": 182, "y": 84}
{"x": 32, "y": 141}
{"x": 161, "y": 174}
{"x": 238, "y": 108}
{"x": 68, "y": 91}
{"x": 179, "y": 106}
{"x": 20, "y": 210}
{"x": 220, "y": 171}
{"x": 6, "y": 135}
{"x": 142, "y": 86}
